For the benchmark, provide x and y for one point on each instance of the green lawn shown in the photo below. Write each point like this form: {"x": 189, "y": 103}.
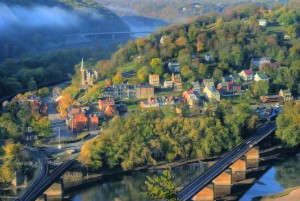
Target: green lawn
{"x": 129, "y": 66}
{"x": 132, "y": 107}
{"x": 275, "y": 28}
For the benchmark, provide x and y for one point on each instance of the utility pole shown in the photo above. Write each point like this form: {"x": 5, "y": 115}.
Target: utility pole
{"x": 59, "y": 145}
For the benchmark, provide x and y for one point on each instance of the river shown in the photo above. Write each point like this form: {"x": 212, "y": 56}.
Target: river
{"x": 130, "y": 187}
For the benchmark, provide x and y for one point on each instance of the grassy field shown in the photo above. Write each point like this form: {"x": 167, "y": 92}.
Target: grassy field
{"x": 129, "y": 66}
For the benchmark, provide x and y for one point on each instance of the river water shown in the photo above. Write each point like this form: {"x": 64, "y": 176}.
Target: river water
{"x": 130, "y": 187}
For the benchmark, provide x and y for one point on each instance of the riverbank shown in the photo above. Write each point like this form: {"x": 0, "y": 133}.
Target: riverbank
{"x": 77, "y": 182}
{"x": 288, "y": 194}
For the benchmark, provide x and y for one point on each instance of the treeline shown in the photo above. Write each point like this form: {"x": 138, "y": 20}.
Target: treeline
{"x": 29, "y": 72}
{"x": 232, "y": 44}
{"x": 179, "y": 11}
{"x": 146, "y": 137}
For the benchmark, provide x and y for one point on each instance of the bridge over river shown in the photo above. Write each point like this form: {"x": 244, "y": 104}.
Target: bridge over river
{"x": 194, "y": 190}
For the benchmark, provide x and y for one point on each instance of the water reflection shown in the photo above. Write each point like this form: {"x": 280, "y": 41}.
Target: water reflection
{"x": 274, "y": 179}
{"x": 281, "y": 176}
{"x": 131, "y": 186}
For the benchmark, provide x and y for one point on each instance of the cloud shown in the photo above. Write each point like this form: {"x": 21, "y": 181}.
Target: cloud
{"x": 36, "y": 17}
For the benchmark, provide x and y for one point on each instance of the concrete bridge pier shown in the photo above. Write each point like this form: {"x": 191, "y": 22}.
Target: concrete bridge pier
{"x": 239, "y": 165}
{"x": 57, "y": 188}
{"x": 225, "y": 178}
{"x": 206, "y": 194}
{"x": 252, "y": 163}
{"x": 222, "y": 190}
{"x": 42, "y": 198}
{"x": 253, "y": 153}
{"x": 238, "y": 176}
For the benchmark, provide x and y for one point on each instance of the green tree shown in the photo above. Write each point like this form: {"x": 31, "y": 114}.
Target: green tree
{"x": 288, "y": 129}
{"x": 202, "y": 71}
{"x": 184, "y": 57}
{"x": 25, "y": 116}
{"x": 156, "y": 66}
{"x": 161, "y": 187}
{"x": 260, "y": 88}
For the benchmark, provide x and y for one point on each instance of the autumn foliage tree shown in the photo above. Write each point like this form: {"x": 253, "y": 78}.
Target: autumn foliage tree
{"x": 161, "y": 187}
{"x": 118, "y": 78}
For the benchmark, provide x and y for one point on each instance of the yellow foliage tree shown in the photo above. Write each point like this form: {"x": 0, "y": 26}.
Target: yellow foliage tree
{"x": 64, "y": 103}
{"x": 219, "y": 21}
{"x": 200, "y": 46}
{"x": 11, "y": 149}
{"x": 118, "y": 78}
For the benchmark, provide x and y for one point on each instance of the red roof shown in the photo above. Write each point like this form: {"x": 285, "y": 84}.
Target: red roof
{"x": 154, "y": 76}
{"x": 190, "y": 92}
{"x": 248, "y": 72}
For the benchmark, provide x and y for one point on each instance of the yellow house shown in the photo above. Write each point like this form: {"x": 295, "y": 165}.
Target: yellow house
{"x": 211, "y": 93}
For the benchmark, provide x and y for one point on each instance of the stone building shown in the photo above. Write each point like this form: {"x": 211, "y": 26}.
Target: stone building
{"x": 144, "y": 91}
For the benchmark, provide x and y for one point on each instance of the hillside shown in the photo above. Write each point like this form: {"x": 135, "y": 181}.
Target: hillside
{"x": 34, "y": 47}
{"x": 231, "y": 40}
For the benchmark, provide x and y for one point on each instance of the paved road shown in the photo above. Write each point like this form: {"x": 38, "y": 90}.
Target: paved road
{"x": 56, "y": 122}
{"x": 48, "y": 181}
{"x": 229, "y": 158}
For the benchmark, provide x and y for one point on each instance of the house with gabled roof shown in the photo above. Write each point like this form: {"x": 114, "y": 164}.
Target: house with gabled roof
{"x": 260, "y": 76}
{"x": 246, "y": 75}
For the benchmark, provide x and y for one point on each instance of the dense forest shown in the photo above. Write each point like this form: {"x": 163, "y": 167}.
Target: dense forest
{"x": 150, "y": 136}
{"x": 30, "y": 57}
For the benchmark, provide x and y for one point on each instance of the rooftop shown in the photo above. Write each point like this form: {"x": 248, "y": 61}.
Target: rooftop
{"x": 262, "y": 75}
{"x": 248, "y": 72}
{"x": 144, "y": 86}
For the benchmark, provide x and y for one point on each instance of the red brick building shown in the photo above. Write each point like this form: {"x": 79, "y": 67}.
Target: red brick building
{"x": 81, "y": 122}
{"x": 103, "y": 104}
{"x": 229, "y": 87}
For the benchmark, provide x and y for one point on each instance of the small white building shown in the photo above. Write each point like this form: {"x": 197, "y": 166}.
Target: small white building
{"x": 262, "y": 22}
{"x": 168, "y": 84}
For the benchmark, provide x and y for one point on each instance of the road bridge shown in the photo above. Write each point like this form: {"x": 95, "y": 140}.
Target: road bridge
{"x": 43, "y": 180}
{"x": 202, "y": 181}
{"x": 101, "y": 33}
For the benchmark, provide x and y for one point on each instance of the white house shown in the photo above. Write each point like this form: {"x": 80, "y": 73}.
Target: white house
{"x": 262, "y": 22}
{"x": 261, "y": 77}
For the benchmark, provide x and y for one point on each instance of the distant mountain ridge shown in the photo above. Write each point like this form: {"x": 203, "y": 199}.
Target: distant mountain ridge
{"x": 24, "y": 23}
